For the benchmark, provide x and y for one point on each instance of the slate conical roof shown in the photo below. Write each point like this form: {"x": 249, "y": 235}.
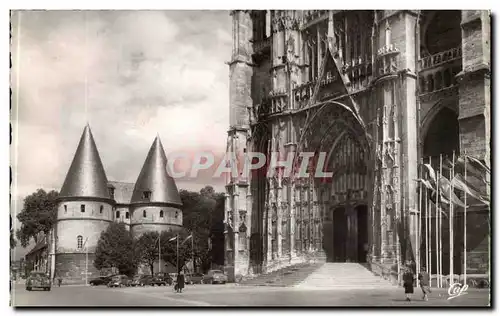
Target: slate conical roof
{"x": 155, "y": 179}
{"x": 86, "y": 176}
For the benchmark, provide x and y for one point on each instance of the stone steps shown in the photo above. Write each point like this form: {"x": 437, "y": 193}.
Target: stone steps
{"x": 285, "y": 277}
{"x": 343, "y": 275}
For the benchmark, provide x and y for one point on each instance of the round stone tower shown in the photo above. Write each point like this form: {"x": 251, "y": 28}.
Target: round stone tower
{"x": 85, "y": 209}
{"x": 155, "y": 204}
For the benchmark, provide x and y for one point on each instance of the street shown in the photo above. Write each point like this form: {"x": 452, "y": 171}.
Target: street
{"x": 234, "y": 295}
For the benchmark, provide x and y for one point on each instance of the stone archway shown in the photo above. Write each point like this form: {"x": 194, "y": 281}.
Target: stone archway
{"x": 346, "y": 228}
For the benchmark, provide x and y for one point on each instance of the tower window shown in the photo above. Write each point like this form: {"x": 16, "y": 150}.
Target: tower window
{"x": 146, "y": 195}
{"x": 100, "y": 209}
{"x": 161, "y": 213}
{"x": 79, "y": 242}
{"x": 117, "y": 214}
{"x": 112, "y": 193}
{"x": 65, "y": 209}
{"x": 126, "y": 215}
{"x": 82, "y": 208}
{"x": 176, "y": 214}
{"x": 144, "y": 213}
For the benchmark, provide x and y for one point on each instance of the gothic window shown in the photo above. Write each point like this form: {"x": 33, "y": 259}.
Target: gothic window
{"x": 144, "y": 213}
{"x": 82, "y": 208}
{"x": 79, "y": 242}
{"x": 100, "y": 209}
{"x": 161, "y": 213}
{"x": 146, "y": 195}
{"x": 65, "y": 209}
{"x": 117, "y": 214}
{"x": 127, "y": 215}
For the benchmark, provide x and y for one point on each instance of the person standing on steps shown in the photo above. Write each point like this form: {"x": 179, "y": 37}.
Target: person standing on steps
{"x": 408, "y": 280}
{"x": 424, "y": 279}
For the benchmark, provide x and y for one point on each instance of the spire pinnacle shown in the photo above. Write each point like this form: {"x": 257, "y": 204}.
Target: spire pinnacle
{"x": 154, "y": 184}
{"x": 86, "y": 176}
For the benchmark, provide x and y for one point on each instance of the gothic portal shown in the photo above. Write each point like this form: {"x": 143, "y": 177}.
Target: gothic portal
{"x": 366, "y": 89}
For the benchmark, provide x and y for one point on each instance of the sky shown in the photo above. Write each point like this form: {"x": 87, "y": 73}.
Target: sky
{"x": 131, "y": 75}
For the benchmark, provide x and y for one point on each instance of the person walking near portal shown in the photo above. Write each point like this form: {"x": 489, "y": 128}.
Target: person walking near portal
{"x": 408, "y": 280}
{"x": 424, "y": 279}
{"x": 180, "y": 281}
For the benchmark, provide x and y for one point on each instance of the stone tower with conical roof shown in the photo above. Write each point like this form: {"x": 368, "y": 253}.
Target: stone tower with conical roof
{"x": 155, "y": 203}
{"x": 85, "y": 209}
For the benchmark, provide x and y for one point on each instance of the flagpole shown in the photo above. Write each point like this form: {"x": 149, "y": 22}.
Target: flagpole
{"x": 192, "y": 250}
{"x": 465, "y": 223}
{"x": 429, "y": 233}
{"x": 452, "y": 174}
{"x": 436, "y": 221}
{"x": 440, "y": 223}
{"x": 417, "y": 235}
{"x": 426, "y": 227}
{"x": 177, "y": 239}
{"x": 159, "y": 252}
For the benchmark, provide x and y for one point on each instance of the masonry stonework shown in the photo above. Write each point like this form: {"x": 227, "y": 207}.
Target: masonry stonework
{"x": 371, "y": 89}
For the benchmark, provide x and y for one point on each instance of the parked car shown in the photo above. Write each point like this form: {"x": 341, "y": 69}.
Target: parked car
{"x": 119, "y": 281}
{"x": 194, "y": 278}
{"x": 38, "y": 280}
{"x": 142, "y": 280}
{"x": 102, "y": 280}
{"x": 214, "y": 276}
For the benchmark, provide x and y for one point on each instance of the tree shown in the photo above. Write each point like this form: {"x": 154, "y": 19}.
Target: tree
{"x": 147, "y": 249}
{"x": 169, "y": 248}
{"x": 38, "y": 215}
{"x": 13, "y": 242}
{"x": 115, "y": 249}
{"x": 203, "y": 215}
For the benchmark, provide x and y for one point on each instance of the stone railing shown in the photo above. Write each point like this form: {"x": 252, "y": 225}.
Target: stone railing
{"x": 387, "y": 60}
{"x": 359, "y": 72}
{"x": 440, "y": 58}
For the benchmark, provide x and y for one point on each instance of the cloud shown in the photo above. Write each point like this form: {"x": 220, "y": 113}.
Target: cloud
{"x": 131, "y": 75}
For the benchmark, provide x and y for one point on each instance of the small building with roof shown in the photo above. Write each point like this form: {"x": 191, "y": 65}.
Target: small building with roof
{"x": 89, "y": 202}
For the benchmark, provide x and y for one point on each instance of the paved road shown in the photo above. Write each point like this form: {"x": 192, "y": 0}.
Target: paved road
{"x": 232, "y": 295}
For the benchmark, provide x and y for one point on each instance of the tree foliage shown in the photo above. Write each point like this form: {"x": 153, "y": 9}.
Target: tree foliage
{"x": 169, "y": 248}
{"x": 38, "y": 215}
{"x": 146, "y": 249}
{"x": 13, "y": 241}
{"x": 115, "y": 249}
{"x": 203, "y": 213}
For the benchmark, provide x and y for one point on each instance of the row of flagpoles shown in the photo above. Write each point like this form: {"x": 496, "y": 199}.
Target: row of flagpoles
{"x": 176, "y": 238}
{"x": 437, "y": 192}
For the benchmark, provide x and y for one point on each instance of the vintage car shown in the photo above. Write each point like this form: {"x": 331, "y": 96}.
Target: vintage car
{"x": 142, "y": 280}
{"x": 162, "y": 279}
{"x": 214, "y": 276}
{"x": 119, "y": 281}
{"x": 194, "y": 278}
{"x": 38, "y": 280}
{"x": 102, "y": 280}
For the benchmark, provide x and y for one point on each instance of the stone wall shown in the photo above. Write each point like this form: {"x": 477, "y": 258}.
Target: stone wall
{"x": 71, "y": 267}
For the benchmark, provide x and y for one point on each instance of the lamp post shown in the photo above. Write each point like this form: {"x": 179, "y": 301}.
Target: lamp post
{"x": 86, "y": 261}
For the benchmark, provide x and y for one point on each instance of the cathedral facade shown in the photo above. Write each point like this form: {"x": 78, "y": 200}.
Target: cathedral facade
{"x": 88, "y": 203}
{"x": 378, "y": 92}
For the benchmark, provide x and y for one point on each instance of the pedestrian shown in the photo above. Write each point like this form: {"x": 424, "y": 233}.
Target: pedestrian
{"x": 180, "y": 281}
{"x": 424, "y": 279}
{"x": 408, "y": 280}
{"x": 59, "y": 281}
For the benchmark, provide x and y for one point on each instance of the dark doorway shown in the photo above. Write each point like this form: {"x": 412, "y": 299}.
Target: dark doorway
{"x": 362, "y": 213}
{"x": 339, "y": 235}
